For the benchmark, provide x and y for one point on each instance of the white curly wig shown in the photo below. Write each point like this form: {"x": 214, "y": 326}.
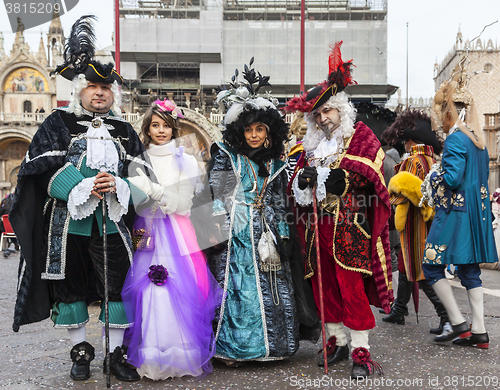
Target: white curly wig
{"x": 347, "y": 113}
{"x": 79, "y": 83}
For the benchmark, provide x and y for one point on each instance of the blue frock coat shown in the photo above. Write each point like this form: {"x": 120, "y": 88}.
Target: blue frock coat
{"x": 461, "y": 232}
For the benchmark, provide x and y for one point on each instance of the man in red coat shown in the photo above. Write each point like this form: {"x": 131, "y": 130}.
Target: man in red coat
{"x": 344, "y": 162}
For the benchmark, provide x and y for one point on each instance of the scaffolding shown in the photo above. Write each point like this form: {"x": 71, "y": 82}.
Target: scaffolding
{"x": 190, "y": 46}
{"x": 314, "y": 9}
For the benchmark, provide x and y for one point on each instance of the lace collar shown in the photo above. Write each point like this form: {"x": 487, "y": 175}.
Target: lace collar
{"x": 327, "y": 151}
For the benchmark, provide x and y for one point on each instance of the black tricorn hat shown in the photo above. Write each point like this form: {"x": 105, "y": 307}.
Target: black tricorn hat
{"x": 423, "y": 132}
{"x": 324, "y": 94}
{"x": 415, "y": 125}
{"x": 79, "y": 55}
{"x": 94, "y": 71}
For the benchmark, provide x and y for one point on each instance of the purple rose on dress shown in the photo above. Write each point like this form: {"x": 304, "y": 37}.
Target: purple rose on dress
{"x": 158, "y": 274}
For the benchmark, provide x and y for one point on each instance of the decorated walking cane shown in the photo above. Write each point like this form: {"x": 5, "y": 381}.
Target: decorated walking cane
{"x": 320, "y": 280}
{"x": 106, "y": 292}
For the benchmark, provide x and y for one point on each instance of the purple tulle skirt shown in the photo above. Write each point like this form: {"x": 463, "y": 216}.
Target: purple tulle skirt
{"x": 171, "y": 333}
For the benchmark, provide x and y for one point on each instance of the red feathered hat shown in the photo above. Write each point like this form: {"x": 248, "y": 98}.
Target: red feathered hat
{"x": 339, "y": 77}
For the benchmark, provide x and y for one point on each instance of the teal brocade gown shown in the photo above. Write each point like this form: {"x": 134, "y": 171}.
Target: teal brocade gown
{"x": 258, "y": 315}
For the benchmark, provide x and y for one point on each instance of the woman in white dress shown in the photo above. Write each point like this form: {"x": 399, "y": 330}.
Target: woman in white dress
{"x": 170, "y": 294}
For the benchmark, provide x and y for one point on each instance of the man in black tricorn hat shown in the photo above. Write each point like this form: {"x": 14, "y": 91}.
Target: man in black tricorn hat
{"x": 79, "y": 155}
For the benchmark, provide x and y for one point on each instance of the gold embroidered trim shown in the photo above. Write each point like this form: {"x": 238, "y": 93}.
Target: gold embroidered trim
{"x": 383, "y": 259}
{"x": 310, "y": 274}
{"x": 375, "y": 165}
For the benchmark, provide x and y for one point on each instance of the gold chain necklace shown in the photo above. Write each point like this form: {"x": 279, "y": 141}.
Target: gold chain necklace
{"x": 258, "y": 199}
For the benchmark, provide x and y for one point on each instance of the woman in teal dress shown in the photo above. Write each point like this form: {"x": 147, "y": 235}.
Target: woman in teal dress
{"x": 461, "y": 233}
{"x": 248, "y": 181}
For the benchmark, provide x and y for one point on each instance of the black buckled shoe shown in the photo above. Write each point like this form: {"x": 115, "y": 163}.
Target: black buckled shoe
{"x": 394, "y": 318}
{"x": 363, "y": 365}
{"x": 360, "y": 371}
{"x": 461, "y": 330}
{"x": 339, "y": 353}
{"x": 479, "y": 340}
{"x": 81, "y": 355}
{"x": 122, "y": 370}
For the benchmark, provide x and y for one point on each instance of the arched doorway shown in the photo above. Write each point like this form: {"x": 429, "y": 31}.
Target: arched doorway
{"x": 27, "y": 106}
{"x": 12, "y": 152}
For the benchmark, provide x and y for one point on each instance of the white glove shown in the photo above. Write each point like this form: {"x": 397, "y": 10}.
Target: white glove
{"x": 153, "y": 190}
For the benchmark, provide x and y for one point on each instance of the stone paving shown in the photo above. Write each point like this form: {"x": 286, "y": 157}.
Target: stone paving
{"x": 37, "y": 357}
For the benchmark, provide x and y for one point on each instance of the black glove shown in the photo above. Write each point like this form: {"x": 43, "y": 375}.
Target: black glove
{"x": 308, "y": 177}
{"x": 335, "y": 183}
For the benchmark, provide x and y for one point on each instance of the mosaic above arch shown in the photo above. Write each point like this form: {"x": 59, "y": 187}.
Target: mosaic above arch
{"x": 25, "y": 79}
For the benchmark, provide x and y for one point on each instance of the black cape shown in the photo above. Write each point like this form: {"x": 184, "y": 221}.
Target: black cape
{"x": 46, "y": 154}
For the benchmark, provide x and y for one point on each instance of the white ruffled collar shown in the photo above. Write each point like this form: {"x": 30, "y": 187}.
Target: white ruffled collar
{"x": 327, "y": 150}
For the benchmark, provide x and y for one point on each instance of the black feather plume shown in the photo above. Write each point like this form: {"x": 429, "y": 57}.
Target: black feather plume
{"x": 80, "y": 46}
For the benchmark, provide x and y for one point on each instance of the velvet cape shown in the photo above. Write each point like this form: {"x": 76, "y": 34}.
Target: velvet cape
{"x": 46, "y": 154}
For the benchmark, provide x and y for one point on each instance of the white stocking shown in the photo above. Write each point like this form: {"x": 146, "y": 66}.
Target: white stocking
{"x": 77, "y": 335}
{"x": 115, "y": 338}
{"x": 359, "y": 338}
{"x": 445, "y": 294}
{"x": 337, "y": 330}
{"x": 476, "y": 304}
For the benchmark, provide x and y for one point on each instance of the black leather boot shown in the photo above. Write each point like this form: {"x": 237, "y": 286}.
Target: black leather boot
{"x": 81, "y": 355}
{"x": 438, "y": 306}
{"x": 400, "y": 306}
{"x": 480, "y": 340}
{"x": 120, "y": 368}
{"x": 461, "y": 330}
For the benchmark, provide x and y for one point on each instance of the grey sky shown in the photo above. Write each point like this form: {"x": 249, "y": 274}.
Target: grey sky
{"x": 433, "y": 26}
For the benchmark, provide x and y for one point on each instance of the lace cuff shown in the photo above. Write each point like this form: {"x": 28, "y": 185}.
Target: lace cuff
{"x": 303, "y": 197}
{"x": 118, "y": 203}
{"x": 323, "y": 174}
{"x": 81, "y": 203}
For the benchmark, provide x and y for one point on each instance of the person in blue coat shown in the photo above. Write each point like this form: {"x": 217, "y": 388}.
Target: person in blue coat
{"x": 461, "y": 233}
